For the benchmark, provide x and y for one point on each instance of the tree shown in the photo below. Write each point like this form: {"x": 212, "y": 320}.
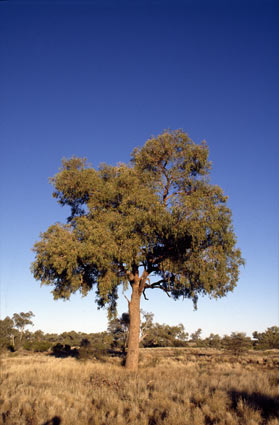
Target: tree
{"x": 151, "y": 334}
{"x": 196, "y": 336}
{"x": 38, "y": 335}
{"x": 267, "y": 339}
{"x": 7, "y": 332}
{"x": 237, "y": 343}
{"x": 146, "y": 324}
{"x": 22, "y": 320}
{"x": 118, "y": 328}
{"x": 214, "y": 341}
{"x": 162, "y": 335}
{"x": 157, "y": 217}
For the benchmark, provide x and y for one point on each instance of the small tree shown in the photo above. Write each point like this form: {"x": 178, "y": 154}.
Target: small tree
{"x": 146, "y": 324}
{"x": 38, "y": 335}
{"x": 7, "y": 332}
{"x": 158, "y": 217}
{"x": 22, "y": 320}
{"x": 162, "y": 335}
{"x": 196, "y": 336}
{"x": 267, "y": 339}
{"x": 118, "y": 328}
{"x": 213, "y": 341}
{"x": 237, "y": 343}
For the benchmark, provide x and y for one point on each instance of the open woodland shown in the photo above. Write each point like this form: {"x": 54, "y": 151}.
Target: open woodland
{"x": 179, "y": 386}
{"x": 97, "y": 97}
{"x": 78, "y": 378}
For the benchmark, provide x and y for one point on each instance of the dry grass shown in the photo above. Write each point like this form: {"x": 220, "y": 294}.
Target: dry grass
{"x": 172, "y": 387}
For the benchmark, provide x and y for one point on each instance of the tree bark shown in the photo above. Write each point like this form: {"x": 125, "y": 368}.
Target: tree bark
{"x": 132, "y": 359}
{"x": 13, "y": 340}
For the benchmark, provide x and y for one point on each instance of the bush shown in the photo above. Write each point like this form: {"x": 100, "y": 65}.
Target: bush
{"x": 37, "y": 346}
{"x": 27, "y": 345}
{"x": 268, "y": 339}
{"x": 98, "y": 351}
{"x": 237, "y": 343}
{"x": 41, "y": 346}
{"x": 88, "y": 350}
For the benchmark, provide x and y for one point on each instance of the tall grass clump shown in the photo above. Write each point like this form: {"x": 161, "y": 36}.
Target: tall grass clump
{"x": 179, "y": 388}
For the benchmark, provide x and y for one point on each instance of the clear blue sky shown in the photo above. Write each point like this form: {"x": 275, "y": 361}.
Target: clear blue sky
{"x": 96, "y": 79}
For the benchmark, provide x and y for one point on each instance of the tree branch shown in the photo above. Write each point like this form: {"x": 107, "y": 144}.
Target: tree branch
{"x": 167, "y": 187}
{"x": 145, "y": 297}
{"x": 143, "y": 280}
{"x": 157, "y": 285}
{"x": 151, "y": 285}
{"x": 170, "y": 196}
{"x": 127, "y": 272}
{"x": 128, "y": 301}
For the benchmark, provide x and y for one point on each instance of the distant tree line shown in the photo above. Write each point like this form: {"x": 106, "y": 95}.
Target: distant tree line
{"x": 14, "y": 336}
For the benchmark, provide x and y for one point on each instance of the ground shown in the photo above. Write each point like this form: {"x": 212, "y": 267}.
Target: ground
{"x": 172, "y": 387}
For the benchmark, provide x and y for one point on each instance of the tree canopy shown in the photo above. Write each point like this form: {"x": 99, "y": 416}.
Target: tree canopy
{"x": 21, "y": 320}
{"x": 155, "y": 223}
{"x": 267, "y": 339}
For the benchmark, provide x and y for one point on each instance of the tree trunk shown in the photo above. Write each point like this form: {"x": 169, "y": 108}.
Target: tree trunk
{"x": 13, "y": 341}
{"x": 132, "y": 359}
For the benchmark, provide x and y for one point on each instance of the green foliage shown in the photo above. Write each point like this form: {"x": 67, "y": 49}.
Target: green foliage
{"x": 213, "y": 341}
{"x": 237, "y": 343}
{"x": 101, "y": 339}
{"x": 162, "y": 335}
{"x": 37, "y": 346}
{"x": 196, "y": 336}
{"x": 118, "y": 328}
{"x": 28, "y": 345}
{"x": 268, "y": 339}
{"x": 151, "y": 335}
{"x": 22, "y": 320}
{"x": 6, "y": 332}
{"x": 98, "y": 351}
{"x": 158, "y": 214}
{"x": 146, "y": 323}
{"x": 38, "y": 335}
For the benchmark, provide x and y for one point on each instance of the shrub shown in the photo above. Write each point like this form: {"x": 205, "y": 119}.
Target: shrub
{"x": 27, "y": 345}
{"x": 268, "y": 339}
{"x": 41, "y": 346}
{"x": 88, "y": 351}
{"x": 237, "y": 343}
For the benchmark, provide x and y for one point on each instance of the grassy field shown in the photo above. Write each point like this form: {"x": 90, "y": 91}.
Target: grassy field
{"x": 172, "y": 387}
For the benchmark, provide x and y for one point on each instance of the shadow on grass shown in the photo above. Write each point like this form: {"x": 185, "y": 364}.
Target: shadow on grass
{"x": 268, "y": 406}
{"x": 85, "y": 352}
{"x": 60, "y": 350}
{"x": 54, "y": 421}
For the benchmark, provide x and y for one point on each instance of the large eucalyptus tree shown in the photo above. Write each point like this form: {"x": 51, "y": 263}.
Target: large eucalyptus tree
{"x": 156, "y": 223}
